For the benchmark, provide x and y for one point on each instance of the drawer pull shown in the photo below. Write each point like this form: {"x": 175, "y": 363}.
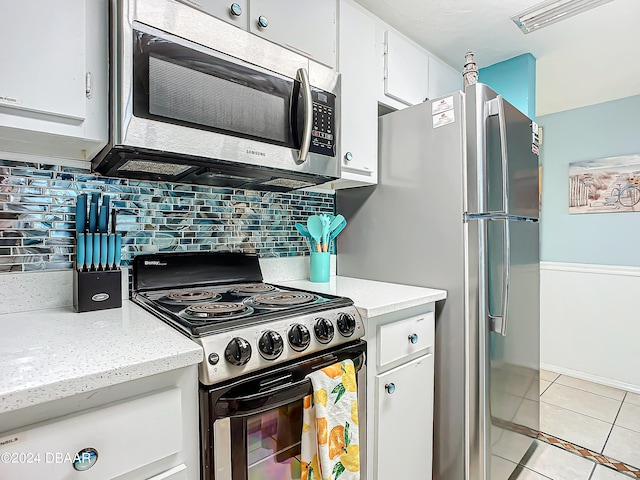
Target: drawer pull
{"x": 413, "y": 338}
{"x": 390, "y": 388}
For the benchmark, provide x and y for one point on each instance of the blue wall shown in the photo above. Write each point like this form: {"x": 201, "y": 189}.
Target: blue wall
{"x": 605, "y": 130}
{"x": 515, "y": 80}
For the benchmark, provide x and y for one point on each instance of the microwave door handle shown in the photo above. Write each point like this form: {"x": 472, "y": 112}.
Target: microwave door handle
{"x": 305, "y": 143}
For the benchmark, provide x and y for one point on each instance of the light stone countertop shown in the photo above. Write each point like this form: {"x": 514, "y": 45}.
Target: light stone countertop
{"x": 373, "y": 298}
{"x": 50, "y": 354}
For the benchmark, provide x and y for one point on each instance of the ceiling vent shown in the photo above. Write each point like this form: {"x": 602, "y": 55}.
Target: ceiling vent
{"x": 552, "y": 11}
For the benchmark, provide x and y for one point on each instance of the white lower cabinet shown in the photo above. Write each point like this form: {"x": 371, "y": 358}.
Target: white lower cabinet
{"x": 150, "y": 434}
{"x": 404, "y": 418}
{"x": 400, "y": 371}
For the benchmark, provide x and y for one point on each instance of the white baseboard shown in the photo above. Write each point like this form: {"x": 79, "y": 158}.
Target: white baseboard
{"x": 590, "y": 322}
{"x": 591, "y": 378}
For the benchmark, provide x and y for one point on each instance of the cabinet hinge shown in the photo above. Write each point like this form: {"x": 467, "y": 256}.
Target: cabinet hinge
{"x": 88, "y": 85}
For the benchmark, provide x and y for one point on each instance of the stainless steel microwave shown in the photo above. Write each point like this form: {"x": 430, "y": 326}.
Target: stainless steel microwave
{"x": 196, "y": 100}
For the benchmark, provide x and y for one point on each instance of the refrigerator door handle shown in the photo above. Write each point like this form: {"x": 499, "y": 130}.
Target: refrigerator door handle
{"x": 498, "y": 323}
{"x": 496, "y": 107}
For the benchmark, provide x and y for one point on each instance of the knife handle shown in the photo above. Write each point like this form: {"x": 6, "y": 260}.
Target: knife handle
{"x": 104, "y": 240}
{"x": 80, "y": 251}
{"x": 118, "y": 251}
{"x": 96, "y": 251}
{"x": 93, "y": 217}
{"x": 114, "y": 220}
{"x": 111, "y": 250}
{"x": 81, "y": 213}
{"x": 88, "y": 251}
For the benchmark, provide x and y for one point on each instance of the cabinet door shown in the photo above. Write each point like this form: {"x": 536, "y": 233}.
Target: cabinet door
{"x": 359, "y": 113}
{"x": 308, "y": 28}
{"x": 443, "y": 79}
{"x": 406, "y": 70}
{"x": 43, "y": 57}
{"x": 233, "y": 12}
{"x": 404, "y": 421}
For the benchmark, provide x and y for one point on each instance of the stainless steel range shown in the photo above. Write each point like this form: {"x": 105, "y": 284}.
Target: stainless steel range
{"x": 260, "y": 342}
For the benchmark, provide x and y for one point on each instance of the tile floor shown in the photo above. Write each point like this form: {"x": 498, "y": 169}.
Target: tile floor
{"x": 603, "y": 419}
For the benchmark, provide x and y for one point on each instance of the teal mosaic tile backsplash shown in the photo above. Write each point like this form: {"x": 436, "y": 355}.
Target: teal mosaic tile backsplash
{"x": 37, "y": 219}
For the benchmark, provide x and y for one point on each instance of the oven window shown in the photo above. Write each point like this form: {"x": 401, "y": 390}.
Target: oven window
{"x": 176, "y": 84}
{"x": 273, "y": 443}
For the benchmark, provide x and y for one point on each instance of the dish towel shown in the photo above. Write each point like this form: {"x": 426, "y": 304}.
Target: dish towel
{"x": 330, "y": 447}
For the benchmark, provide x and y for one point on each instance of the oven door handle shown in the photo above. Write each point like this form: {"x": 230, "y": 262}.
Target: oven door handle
{"x": 263, "y": 401}
{"x": 244, "y": 405}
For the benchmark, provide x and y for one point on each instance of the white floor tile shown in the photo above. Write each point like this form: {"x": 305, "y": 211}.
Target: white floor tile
{"x": 604, "y": 473}
{"x": 574, "y": 427}
{"x": 633, "y": 398}
{"x": 501, "y": 469}
{"x": 559, "y": 464}
{"x": 527, "y": 474}
{"x": 510, "y": 445}
{"x": 629, "y": 417}
{"x": 544, "y": 385}
{"x": 548, "y": 376}
{"x": 580, "y": 384}
{"x": 624, "y": 445}
{"x": 586, "y": 403}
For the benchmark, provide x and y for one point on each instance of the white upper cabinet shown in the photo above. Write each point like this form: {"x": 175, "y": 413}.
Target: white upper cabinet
{"x": 42, "y": 59}
{"x": 357, "y": 66}
{"x": 236, "y": 13}
{"x": 54, "y": 86}
{"x": 308, "y": 28}
{"x": 443, "y": 79}
{"x": 406, "y": 70}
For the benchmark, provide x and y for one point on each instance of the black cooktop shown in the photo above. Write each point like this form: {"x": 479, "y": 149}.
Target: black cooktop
{"x": 203, "y": 293}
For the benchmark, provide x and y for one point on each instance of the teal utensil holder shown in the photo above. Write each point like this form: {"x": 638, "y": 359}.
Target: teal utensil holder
{"x": 320, "y": 266}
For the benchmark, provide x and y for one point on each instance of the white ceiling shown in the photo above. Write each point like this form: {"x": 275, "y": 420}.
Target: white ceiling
{"x": 586, "y": 59}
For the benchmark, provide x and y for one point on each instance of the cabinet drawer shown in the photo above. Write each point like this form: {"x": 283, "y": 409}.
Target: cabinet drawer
{"x": 394, "y": 339}
{"x": 126, "y": 436}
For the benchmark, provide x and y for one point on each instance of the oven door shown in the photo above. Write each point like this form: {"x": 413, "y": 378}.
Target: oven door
{"x": 251, "y": 428}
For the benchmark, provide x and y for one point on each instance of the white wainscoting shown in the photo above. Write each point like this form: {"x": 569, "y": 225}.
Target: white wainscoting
{"x": 590, "y": 322}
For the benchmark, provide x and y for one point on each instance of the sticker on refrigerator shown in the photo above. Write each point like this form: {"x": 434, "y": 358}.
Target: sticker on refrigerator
{"x": 444, "y": 118}
{"x": 443, "y": 105}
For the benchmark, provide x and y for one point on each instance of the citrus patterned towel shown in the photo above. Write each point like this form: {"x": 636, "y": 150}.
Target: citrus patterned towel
{"x": 330, "y": 444}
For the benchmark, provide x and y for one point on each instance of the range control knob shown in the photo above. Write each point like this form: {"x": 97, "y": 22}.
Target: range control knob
{"x": 238, "y": 352}
{"x": 299, "y": 337}
{"x": 323, "y": 329}
{"x": 270, "y": 345}
{"x": 346, "y": 324}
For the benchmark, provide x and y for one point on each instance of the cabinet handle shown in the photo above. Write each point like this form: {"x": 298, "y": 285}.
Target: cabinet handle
{"x": 413, "y": 338}
{"x": 348, "y": 156}
{"x": 235, "y": 9}
{"x": 263, "y": 22}
{"x": 390, "y": 388}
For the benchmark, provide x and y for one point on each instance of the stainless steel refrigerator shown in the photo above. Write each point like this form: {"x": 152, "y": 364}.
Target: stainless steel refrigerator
{"x": 457, "y": 208}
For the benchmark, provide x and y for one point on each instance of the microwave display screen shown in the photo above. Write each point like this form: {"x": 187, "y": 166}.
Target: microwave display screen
{"x": 322, "y": 97}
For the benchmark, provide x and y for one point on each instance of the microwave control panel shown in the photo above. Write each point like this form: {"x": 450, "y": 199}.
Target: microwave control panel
{"x": 323, "y": 136}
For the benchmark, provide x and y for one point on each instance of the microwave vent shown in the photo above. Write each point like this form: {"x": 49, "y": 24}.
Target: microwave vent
{"x": 153, "y": 167}
{"x": 287, "y": 183}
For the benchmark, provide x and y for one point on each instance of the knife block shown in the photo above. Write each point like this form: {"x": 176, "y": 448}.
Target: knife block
{"x": 97, "y": 290}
